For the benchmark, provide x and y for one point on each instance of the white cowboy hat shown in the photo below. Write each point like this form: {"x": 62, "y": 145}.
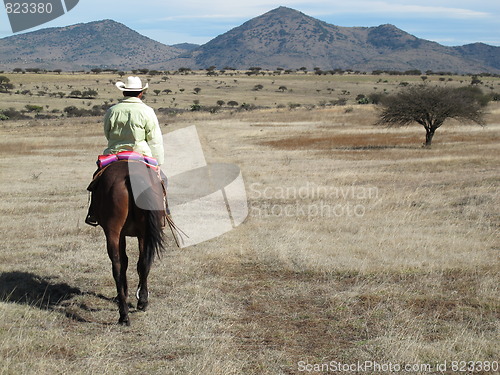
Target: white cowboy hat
{"x": 133, "y": 84}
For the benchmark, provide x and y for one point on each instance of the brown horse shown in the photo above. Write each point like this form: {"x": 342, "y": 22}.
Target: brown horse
{"x": 121, "y": 214}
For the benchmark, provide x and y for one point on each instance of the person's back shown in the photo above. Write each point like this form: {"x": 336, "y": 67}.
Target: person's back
{"x": 131, "y": 125}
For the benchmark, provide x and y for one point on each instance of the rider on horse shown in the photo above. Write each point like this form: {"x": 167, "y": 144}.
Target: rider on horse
{"x": 131, "y": 125}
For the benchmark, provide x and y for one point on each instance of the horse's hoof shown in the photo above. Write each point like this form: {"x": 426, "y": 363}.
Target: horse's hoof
{"x": 142, "y": 306}
{"x": 124, "y": 322}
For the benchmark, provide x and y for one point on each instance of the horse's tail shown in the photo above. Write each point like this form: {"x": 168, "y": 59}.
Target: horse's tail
{"x": 154, "y": 241}
{"x": 147, "y": 203}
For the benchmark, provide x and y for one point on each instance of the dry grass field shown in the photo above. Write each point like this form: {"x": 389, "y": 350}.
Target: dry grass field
{"x": 360, "y": 245}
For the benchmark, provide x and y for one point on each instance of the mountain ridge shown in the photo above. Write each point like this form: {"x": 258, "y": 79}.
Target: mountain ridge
{"x": 83, "y": 46}
{"x": 282, "y": 37}
{"x": 288, "y": 38}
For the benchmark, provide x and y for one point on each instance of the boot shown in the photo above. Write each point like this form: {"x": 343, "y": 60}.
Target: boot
{"x": 91, "y": 220}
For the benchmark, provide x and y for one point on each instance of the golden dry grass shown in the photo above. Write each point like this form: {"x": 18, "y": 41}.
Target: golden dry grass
{"x": 360, "y": 246}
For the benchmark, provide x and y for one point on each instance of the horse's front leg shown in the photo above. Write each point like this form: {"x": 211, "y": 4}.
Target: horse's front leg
{"x": 119, "y": 262}
{"x": 143, "y": 267}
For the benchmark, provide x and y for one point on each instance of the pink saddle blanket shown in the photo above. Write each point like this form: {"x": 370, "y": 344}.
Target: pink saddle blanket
{"x": 104, "y": 160}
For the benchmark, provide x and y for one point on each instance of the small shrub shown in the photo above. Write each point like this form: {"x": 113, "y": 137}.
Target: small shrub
{"x": 361, "y": 99}
{"x": 73, "y": 111}
{"x": 89, "y": 94}
{"x": 13, "y": 114}
{"x": 33, "y": 108}
{"x": 75, "y": 94}
{"x": 247, "y": 107}
{"x": 495, "y": 96}
{"x": 375, "y": 98}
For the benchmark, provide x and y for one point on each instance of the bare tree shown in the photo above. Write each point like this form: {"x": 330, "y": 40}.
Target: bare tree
{"x": 430, "y": 106}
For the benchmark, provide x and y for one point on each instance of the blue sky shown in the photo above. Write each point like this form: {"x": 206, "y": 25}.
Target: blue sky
{"x": 449, "y": 22}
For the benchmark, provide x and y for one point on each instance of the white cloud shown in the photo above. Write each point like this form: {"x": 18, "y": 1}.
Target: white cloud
{"x": 399, "y": 8}
{"x": 436, "y": 11}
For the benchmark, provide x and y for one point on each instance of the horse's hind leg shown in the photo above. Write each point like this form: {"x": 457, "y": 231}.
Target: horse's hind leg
{"x": 119, "y": 262}
{"x": 143, "y": 267}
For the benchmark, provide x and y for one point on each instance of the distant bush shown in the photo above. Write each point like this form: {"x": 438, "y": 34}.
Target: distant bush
{"x": 44, "y": 116}
{"x": 495, "y": 96}
{"x": 89, "y": 94}
{"x": 73, "y": 111}
{"x": 75, "y": 94}
{"x": 476, "y": 93}
{"x": 33, "y": 108}
{"x": 13, "y": 114}
{"x": 361, "y": 99}
{"x": 375, "y": 98}
{"x": 247, "y": 107}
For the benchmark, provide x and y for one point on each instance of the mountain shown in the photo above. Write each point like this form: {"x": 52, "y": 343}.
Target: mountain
{"x": 87, "y": 45}
{"x": 282, "y": 37}
{"x": 287, "y": 38}
{"x": 186, "y": 46}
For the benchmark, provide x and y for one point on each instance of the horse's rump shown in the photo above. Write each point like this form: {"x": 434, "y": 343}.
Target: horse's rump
{"x": 128, "y": 195}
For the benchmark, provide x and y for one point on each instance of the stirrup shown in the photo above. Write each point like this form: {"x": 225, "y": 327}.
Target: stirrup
{"x": 90, "y": 220}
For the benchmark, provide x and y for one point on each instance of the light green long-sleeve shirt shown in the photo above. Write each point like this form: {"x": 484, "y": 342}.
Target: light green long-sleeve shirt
{"x": 131, "y": 125}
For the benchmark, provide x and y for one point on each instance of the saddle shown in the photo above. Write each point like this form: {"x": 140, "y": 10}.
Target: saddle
{"x": 103, "y": 161}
